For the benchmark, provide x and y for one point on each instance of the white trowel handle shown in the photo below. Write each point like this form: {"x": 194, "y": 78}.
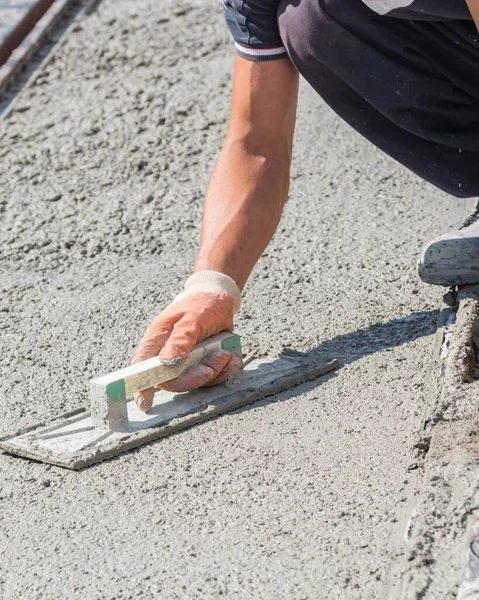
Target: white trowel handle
{"x": 119, "y": 385}
{"x": 152, "y": 372}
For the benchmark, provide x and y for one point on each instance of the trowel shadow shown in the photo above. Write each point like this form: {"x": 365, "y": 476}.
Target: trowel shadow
{"x": 346, "y": 348}
{"x": 260, "y": 379}
{"x": 379, "y": 336}
{"x": 355, "y": 345}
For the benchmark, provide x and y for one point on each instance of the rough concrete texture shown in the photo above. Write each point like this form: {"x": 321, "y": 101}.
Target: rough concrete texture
{"x": 104, "y": 163}
{"x": 443, "y": 522}
{"x": 460, "y": 393}
{"x": 445, "y": 515}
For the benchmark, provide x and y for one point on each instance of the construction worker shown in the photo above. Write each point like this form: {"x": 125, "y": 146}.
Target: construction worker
{"x": 403, "y": 73}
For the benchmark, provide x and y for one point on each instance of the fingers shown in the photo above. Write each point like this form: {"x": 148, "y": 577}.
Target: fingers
{"x": 182, "y": 340}
{"x": 193, "y": 378}
{"x": 216, "y": 367}
{"x": 153, "y": 340}
{"x": 144, "y": 399}
{"x": 217, "y": 360}
{"x": 232, "y": 367}
{"x": 199, "y": 375}
{"x": 175, "y": 332}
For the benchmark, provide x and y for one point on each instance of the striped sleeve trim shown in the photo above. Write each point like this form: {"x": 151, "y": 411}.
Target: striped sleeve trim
{"x": 260, "y": 53}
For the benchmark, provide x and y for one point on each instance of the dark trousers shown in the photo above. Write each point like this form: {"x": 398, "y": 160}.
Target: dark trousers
{"x": 411, "y": 87}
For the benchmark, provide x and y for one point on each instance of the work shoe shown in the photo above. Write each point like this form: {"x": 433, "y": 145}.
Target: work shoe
{"x": 453, "y": 258}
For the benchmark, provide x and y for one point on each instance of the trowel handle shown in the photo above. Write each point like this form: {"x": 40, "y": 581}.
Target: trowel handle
{"x": 149, "y": 373}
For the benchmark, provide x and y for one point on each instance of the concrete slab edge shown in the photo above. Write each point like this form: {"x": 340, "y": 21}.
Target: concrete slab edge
{"x": 20, "y": 57}
{"x": 406, "y": 512}
{"x": 440, "y": 533}
{"x": 32, "y": 42}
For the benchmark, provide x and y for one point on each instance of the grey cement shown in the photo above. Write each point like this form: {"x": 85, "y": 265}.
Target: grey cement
{"x": 445, "y": 517}
{"x": 443, "y": 525}
{"x": 103, "y": 167}
{"x": 451, "y": 467}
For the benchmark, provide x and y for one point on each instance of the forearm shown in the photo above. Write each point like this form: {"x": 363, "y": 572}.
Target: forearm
{"x": 250, "y": 181}
{"x": 243, "y": 206}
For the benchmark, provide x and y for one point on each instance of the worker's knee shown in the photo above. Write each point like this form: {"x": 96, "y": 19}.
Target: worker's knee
{"x": 307, "y": 32}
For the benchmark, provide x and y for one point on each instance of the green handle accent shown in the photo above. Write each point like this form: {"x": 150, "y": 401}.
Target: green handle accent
{"x": 231, "y": 343}
{"x": 116, "y": 391}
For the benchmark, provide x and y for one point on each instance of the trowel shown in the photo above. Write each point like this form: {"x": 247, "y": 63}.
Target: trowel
{"x": 114, "y": 424}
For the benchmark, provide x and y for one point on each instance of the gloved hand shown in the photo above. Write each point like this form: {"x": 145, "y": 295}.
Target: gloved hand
{"x": 205, "y": 308}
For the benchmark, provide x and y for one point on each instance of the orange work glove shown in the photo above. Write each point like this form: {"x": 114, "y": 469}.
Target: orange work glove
{"x": 205, "y": 308}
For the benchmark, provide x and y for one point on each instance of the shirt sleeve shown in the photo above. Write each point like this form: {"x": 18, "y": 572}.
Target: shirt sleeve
{"x": 254, "y": 27}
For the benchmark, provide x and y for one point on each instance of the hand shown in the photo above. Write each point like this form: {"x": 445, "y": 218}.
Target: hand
{"x": 173, "y": 334}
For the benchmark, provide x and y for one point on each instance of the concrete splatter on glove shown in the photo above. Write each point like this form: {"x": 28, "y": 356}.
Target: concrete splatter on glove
{"x": 205, "y": 308}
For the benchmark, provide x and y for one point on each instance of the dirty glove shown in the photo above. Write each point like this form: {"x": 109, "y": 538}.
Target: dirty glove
{"x": 205, "y": 308}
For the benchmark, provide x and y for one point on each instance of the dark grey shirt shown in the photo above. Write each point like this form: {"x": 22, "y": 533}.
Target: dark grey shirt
{"x": 254, "y": 23}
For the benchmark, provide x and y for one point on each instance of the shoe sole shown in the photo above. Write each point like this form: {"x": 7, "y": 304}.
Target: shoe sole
{"x": 441, "y": 275}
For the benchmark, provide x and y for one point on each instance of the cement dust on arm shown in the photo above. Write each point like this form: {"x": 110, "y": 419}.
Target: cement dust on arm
{"x": 243, "y": 206}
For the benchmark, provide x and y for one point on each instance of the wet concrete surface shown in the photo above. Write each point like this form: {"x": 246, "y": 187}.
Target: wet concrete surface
{"x": 104, "y": 163}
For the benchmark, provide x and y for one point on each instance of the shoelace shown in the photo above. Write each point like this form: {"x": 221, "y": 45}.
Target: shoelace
{"x": 472, "y": 218}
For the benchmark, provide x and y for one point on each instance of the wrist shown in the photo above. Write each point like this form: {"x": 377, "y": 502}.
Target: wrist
{"x": 212, "y": 281}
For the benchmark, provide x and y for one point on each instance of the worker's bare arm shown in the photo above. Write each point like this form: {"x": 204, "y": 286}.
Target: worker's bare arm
{"x": 250, "y": 181}
{"x": 474, "y": 10}
{"x": 243, "y": 206}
